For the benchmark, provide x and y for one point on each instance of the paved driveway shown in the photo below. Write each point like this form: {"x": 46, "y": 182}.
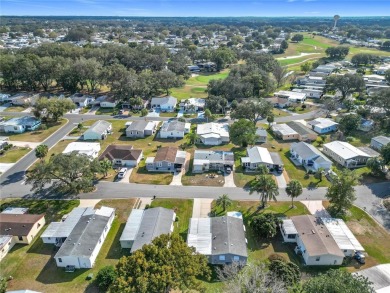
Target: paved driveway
{"x": 281, "y": 180}
{"x": 22, "y": 144}
{"x": 316, "y": 208}
{"x": 176, "y": 180}
{"x": 229, "y": 180}
{"x": 126, "y": 179}
{"x": 201, "y": 207}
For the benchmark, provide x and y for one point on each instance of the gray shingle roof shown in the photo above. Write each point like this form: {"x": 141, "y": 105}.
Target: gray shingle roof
{"x": 164, "y": 101}
{"x": 228, "y": 236}
{"x": 173, "y": 126}
{"x": 99, "y": 127}
{"x": 382, "y": 139}
{"x": 300, "y": 128}
{"x": 155, "y": 222}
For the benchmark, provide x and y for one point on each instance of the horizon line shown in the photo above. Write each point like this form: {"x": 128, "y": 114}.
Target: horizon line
{"x": 197, "y": 16}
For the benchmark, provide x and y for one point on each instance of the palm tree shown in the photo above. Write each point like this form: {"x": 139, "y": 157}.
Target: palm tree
{"x": 41, "y": 151}
{"x": 262, "y": 169}
{"x": 224, "y": 201}
{"x": 105, "y": 165}
{"x": 266, "y": 187}
{"x": 294, "y": 189}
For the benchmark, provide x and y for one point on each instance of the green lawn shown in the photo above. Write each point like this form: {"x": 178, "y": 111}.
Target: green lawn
{"x": 38, "y": 135}
{"x": 183, "y": 210}
{"x": 105, "y": 111}
{"x": 15, "y": 109}
{"x": 14, "y": 154}
{"x": 142, "y": 176}
{"x": 42, "y": 273}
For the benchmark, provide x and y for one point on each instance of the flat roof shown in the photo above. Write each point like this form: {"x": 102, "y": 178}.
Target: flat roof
{"x": 132, "y": 225}
{"x": 87, "y": 148}
{"x": 289, "y": 227}
{"x": 213, "y": 156}
{"x": 221, "y": 129}
{"x": 291, "y": 94}
{"x": 15, "y": 210}
{"x": 345, "y": 150}
{"x": 342, "y": 234}
{"x": 284, "y": 129}
{"x": 322, "y": 122}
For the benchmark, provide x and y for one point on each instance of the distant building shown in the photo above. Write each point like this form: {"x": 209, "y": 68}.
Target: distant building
{"x": 379, "y": 142}
{"x": 346, "y": 154}
{"x": 213, "y": 133}
{"x": 122, "y": 155}
{"x": 306, "y": 155}
{"x": 167, "y": 159}
{"x": 366, "y": 125}
{"x": 164, "y": 104}
{"x": 99, "y": 130}
{"x": 141, "y": 129}
{"x": 261, "y": 135}
{"x": 143, "y": 226}
{"x": 174, "y": 129}
{"x": 20, "y": 124}
{"x": 221, "y": 239}
{"x": 323, "y": 125}
{"x": 257, "y": 156}
{"x": 91, "y": 149}
{"x": 212, "y": 160}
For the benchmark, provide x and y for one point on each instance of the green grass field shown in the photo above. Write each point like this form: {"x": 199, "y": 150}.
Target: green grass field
{"x": 13, "y": 155}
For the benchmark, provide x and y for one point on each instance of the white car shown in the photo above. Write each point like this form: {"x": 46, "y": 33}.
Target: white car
{"x": 122, "y": 173}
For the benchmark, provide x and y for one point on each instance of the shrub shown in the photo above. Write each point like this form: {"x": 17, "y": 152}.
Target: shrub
{"x": 265, "y": 225}
{"x": 288, "y": 272}
{"x": 147, "y": 206}
{"x": 177, "y": 219}
{"x": 350, "y": 139}
{"x": 105, "y": 278}
{"x": 144, "y": 112}
{"x": 276, "y": 256}
{"x": 43, "y": 127}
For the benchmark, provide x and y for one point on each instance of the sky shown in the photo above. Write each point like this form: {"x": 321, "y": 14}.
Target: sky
{"x": 217, "y": 8}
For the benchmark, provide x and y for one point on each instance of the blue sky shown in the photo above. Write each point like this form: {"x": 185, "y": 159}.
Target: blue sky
{"x": 196, "y": 7}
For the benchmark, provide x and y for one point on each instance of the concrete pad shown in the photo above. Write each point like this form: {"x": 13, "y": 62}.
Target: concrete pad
{"x": 22, "y": 144}
{"x": 201, "y": 207}
{"x": 86, "y": 203}
{"x": 5, "y": 166}
{"x": 281, "y": 180}
{"x": 176, "y": 180}
{"x": 316, "y": 208}
{"x": 28, "y": 110}
{"x": 144, "y": 202}
{"x": 229, "y": 180}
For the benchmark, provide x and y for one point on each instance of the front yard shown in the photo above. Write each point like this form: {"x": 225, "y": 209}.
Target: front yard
{"x": 38, "y": 135}
{"x": 14, "y": 154}
{"x": 32, "y": 266}
{"x": 143, "y": 176}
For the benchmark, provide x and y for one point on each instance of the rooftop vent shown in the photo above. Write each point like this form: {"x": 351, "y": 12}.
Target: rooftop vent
{"x": 312, "y": 231}
{"x": 225, "y": 243}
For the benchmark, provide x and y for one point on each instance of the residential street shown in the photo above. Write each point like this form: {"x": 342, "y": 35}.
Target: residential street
{"x": 12, "y": 181}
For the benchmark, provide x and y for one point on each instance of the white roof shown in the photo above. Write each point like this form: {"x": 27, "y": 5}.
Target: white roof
{"x": 345, "y": 150}
{"x": 259, "y": 155}
{"x": 289, "y": 227}
{"x": 99, "y": 127}
{"x": 290, "y": 95}
{"x": 322, "y": 122}
{"x": 15, "y": 211}
{"x": 200, "y": 236}
{"x": 87, "y": 148}
{"x": 213, "y": 129}
{"x": 234, "y": 215}
{"x": 149, "y": 160}
{"x": 64, "y": 228}
{"x": 284, "y": 129}
{"x": 213, "y": 156}
{"x": 132, "y": 225}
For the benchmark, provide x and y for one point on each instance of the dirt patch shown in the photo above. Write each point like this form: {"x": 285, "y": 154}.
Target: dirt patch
{"x": 357, "y": 228}
{"x": 205, "y": 179}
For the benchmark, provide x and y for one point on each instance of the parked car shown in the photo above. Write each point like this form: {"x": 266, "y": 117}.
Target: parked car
{"x": 228, "y": 170}
{"x": 360, "y": 257}
{"x": 122, "y": 173}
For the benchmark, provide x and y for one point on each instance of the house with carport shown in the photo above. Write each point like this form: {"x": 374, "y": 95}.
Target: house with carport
{"x": 346, "y": 154}
{"x": 221, "y": 239}
{"x": 257, "y": 156}
{"x": 174, "y": 129}
{"x": 143, "y": 226}
{"x": 213, "y": 133}
{"x": 90, "y": 149}
{"x": 308, "y": 156}
{"x": 98, "y": 131}
{"x": 323, "y": 125}
{"x": 212, "y": 160}
{"x": 82, "y": 246}
{"x": 140, "y": 129}
{"x": 167, "y": 159}
{"x": 164, "y": 104}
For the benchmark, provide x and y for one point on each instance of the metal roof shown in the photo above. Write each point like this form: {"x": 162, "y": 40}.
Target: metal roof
{"x": 259, "y": 155}
{"x": 214, "y": 156}
{"x": 64, "y": 228}
{"x": 381, "y": 139}
{"x": 307, "y": 151}
{"x": 283, "y": 129}
{"x": 15, "y": 211}
{"x": 86, "y": 148}
{"x": 289, "y": 227}
{"x": 345, "y": 150}
{"x": 99, "y": 127}
{"x": 132, "y": 225}
{"x": 341, "y": 234}
{"x": 218, "y": 235}
{"x": 173, "y": 126}
{"x": 155, "y": 222}
{"x": 220, "y": 129}
{"x": 85, "y": 236}
{"x": 4, "y": 239}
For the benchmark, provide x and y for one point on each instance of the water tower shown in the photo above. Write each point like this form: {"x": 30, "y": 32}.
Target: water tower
{"x": 336, "y": 18}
